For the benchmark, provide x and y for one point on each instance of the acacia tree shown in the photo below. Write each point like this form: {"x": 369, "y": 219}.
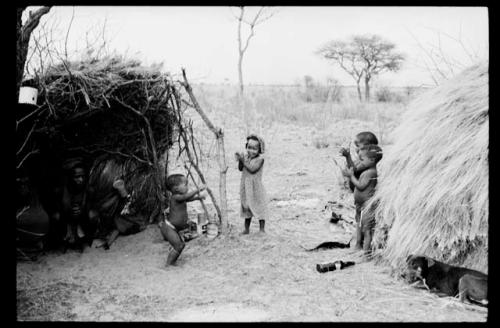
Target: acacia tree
{"x": 363, "y": 57}
{"x": 23, "y": 38}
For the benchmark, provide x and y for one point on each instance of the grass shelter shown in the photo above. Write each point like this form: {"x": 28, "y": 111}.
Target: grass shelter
{"x": 113, "y": 113}
{"x": 432, "y": 198}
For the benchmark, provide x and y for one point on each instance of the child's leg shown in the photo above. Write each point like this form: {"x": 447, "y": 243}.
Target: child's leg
{"x": 172, "y": 236}
{"x": 262, "y": 224}
{"x": 359, "y": 232}
{"x": 247, "y": 226}
{"x": 367, "y": 240}
{"x": 368, "y": 227}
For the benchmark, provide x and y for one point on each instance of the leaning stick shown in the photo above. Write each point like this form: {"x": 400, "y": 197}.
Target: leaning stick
{"x": 219, "y": 135}
{"x": 196, "y": 185}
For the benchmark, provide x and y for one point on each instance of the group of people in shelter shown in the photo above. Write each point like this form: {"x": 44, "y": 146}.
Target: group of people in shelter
{"x": 360, "y": 170}
{"x": 72, "y": 215}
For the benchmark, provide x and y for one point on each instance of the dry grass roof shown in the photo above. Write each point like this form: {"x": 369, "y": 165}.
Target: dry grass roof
{"x": 433, "y": 187}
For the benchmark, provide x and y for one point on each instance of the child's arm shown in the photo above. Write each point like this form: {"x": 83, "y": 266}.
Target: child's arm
{"x": 252, "y": 166}
{"x": 196, "y": 197}
{"x": 239, "y": 158}
{"x": 358, "y": 167}
{"x": 345, "y": 152}
{"x": 185, "y": 197}
{"x": 364, "y": 180}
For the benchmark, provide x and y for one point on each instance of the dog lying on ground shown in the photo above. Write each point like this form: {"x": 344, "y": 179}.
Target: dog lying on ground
{"x": 328, "y": 245}
{"x": 449, "y": 280}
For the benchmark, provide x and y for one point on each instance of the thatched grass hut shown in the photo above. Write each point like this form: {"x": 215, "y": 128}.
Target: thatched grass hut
{"x": 115, "y": 114}
{"x": 432, "y": 196}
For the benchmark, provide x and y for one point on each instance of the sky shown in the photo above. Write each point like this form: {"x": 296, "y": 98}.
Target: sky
{"x": 203, "y": 40}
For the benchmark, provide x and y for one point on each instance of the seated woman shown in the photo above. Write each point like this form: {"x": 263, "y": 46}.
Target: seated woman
{"x": 71, "y": 213}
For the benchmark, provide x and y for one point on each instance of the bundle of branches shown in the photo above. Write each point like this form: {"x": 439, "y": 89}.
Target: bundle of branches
{"x": 433, "y": 189}
{"x": 107, "y": 107}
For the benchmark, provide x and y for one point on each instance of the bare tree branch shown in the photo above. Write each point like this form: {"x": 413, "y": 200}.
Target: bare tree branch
{"x": 36, "y": 151}
{"x": 67, "y": 34}
{"x": 23, "y": 38}
{"x": 33, "y": 21}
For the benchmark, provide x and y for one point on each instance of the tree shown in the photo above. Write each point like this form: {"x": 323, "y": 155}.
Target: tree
{"x": 262, "y": 15}
{"x": 363, "y": 57}
{"x": 23, "y": 38}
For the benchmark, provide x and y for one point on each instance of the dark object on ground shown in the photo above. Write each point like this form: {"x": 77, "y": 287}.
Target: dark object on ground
{"x": 473, "y": 289}
{"x": 337, "y": 265}
{"x": 329, "y": 245}
{"x": 446, "y": 279}
{"x": 335, "y": 218}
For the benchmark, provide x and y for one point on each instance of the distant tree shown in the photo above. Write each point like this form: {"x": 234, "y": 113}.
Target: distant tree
{"x": 243, "y": 43}
{"x": 363, "y": 57}
{"x": 262, "y": 15}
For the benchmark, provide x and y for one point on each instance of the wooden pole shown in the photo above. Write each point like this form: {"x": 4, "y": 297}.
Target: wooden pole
{"x": 176, "y": 104}
{"x": 221, "y": 154}
{"x": 196, "y": 186}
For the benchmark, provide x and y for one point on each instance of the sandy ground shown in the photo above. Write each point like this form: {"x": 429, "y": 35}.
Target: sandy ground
{"x": 240, "y": 278}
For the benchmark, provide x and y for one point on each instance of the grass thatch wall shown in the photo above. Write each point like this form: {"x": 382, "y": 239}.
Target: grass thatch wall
{"x": 433, "y": 188}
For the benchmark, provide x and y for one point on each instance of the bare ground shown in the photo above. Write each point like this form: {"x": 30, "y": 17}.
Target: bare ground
{"x": 239, "y": 278}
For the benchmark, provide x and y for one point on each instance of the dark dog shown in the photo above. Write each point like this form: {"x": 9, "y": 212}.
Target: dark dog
{"x": 447, "y": 279}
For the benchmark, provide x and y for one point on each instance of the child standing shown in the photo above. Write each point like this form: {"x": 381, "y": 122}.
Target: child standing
{"x": 177, "y": 218}
{"x": 252, "y": 193}
{"x": 369, "y": 156}
{"x": 362, "y": 139}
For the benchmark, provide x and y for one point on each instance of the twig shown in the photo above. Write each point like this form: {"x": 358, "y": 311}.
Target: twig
{"x": 36, "y": 151}
{"x": 26, "y": 140}
{"x": 39, "y": 109}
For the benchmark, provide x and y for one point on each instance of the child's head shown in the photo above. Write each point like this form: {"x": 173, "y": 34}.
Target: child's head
{"x": 370, "y": 155}
{"x": 76, "y": 172}
{"x": 177, "y": 184}
{"x": 365, "y": 138}
{"x": 78, "y": 175}
{"x": 254, "y": 145}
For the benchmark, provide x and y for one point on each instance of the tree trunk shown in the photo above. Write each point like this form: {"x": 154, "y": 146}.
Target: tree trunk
{"x": 241, "y": 97}
{"x": 367, "y": 89}
{"x": 23, "y": 33}
{"x": 240, "y": 74}
{"x": 21, "y": 51}
{"x": 359, "y": 91}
